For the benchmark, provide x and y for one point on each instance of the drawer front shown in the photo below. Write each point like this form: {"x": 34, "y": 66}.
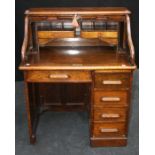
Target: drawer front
{"x": 85, "y": 34}
{"x": 110, "y": 114}
{"x": 99, "y": 34}
{"x": 55, "y": 34}
{"x": 109, "y": 129}
{"x": 112, "y": 81}
{"x": 58, "y": 76}
{"x": 110, "y": 98}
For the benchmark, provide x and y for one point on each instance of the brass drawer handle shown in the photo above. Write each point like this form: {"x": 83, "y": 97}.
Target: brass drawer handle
{"x": 58, "y": 76}
{"x": 110, "y": 115}
{"x": 117, "y": 82}
{"x": 106, "y": 130}
{"x": 109, "y": 99}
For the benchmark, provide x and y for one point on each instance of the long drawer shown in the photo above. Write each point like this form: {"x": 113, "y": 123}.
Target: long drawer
{"x": 58, "y": 76}
{"x": 110, "y": 98}
{"x": 96, "y": 34}
{"x": 110, "y": 114}
{"x": 112, "y": 80}
{"x": 55, "y": 34}
{"x": 109, "y": 129}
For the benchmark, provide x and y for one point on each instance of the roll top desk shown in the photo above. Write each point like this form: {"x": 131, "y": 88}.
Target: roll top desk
{"x": 80, "y": 59}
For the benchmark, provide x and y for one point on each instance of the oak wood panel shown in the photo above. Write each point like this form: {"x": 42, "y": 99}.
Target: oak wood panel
{"x": 110, "y": 142}
{"x": 55, "y": 34}
{"x": 104, "y": 17}
{"x": 110, "y": 41}
{"x": 78, "y": 10}
{"x": 110, "y": 96}
{"x": 64, "y": 96}
{"x": 81, "y": 43}
{"x": 77, "y": 42}
{"x": 61, "y": 58}
{"x": 99, "y": 34}
{"x": 112, "y": 81}
{"x": 88, "y": 34}
{"x": 43, "y": 41}
{"x": 110, "y": 114}
{"x": 109, "y": 130}
{"x": 58, "y": 76}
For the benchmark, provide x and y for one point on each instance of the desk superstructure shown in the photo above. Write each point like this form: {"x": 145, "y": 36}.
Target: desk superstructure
{"x": 80, "y": 59}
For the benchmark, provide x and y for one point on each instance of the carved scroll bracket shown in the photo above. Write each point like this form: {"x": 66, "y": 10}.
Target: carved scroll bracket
{"x": 25, "y": 42}
{"x": 129, "y": 39}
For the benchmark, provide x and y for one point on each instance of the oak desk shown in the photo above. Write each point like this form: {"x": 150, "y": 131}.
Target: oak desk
{"x": 80, "y": 59}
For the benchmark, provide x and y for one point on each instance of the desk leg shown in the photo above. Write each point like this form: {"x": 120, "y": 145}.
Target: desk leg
{"x": 30, "y": 115}
{"x": 91, "y": 115}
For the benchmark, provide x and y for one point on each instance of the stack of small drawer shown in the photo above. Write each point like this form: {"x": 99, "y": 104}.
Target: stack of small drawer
{"x": 110, "y": 108}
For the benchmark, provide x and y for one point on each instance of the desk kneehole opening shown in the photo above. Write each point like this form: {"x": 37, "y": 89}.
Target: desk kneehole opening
{"x": 59, "y": 76}
{"x": 110, "y": 99}
{"x": 111, "y": 82}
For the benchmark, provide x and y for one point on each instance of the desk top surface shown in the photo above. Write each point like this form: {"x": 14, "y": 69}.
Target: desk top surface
{"x": 85, "y": 58}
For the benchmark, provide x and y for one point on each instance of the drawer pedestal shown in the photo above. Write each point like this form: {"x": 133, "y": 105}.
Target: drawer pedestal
{"x": 111, "y": 103}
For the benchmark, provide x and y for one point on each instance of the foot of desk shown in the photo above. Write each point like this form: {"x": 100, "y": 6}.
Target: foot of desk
{"x": 33, "y": 139}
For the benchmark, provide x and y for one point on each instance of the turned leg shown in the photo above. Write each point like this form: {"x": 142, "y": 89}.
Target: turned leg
{"x": 32, "y": 111}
